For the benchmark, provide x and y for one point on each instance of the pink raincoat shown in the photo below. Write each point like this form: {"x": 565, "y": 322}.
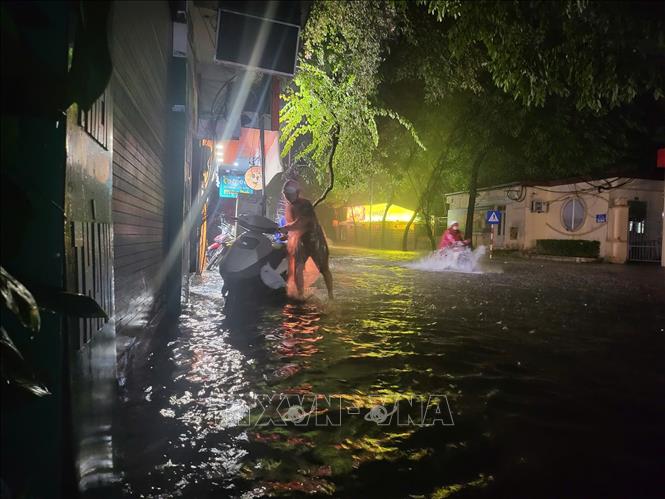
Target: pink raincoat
{"x": 449, "y": 237}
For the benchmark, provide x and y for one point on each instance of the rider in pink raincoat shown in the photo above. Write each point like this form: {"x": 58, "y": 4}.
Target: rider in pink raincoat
{"x": 451, "y": 236}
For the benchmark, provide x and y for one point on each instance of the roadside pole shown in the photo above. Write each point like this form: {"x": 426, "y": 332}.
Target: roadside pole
{"x": 263, "y": 164}
{"x": 492, "y": 217}
{"x": 235, "y": 226}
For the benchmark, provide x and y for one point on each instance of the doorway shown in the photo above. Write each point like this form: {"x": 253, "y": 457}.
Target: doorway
{"x": 644, "y": 238}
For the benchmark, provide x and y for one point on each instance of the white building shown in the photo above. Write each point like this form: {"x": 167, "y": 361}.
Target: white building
{"x": 624, "y": 214}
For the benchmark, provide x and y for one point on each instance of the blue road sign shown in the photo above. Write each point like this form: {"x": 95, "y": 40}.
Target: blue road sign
{"x": 493, "y": 217}
{"x": 601, "y": 218}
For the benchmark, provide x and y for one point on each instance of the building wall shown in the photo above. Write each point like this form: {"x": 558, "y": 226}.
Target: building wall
{"x": 89, "y": 271}
{"x": 649, "y": 191}
{"x": 662, "y": 249}
{"x": 141, "y": 49}
{"x": 526, "y": 227}
{"x": 509, "y": 235}
{"x": 550, "y": 225}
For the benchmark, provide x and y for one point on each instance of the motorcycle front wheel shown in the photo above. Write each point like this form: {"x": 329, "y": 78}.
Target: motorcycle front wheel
{"x": 215, "y": 258}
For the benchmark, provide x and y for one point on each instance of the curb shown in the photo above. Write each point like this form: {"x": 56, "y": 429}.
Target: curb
{"x": 569, "y": 259}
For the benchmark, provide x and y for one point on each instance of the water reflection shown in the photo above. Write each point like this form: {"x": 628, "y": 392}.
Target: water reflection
{"x": 532, "y": 391}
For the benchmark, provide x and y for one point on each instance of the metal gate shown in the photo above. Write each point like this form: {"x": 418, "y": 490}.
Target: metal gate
{"x": 644, "y": 238}
{"x": 641, "y": 249}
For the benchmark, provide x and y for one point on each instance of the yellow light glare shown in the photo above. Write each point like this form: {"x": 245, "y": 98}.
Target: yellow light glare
{"x": 362, "y": 213}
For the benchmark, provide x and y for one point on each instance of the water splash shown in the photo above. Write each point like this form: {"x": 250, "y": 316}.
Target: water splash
{"x": 461, "y": 260}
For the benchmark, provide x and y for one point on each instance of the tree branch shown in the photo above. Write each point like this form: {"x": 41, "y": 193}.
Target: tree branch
{"x": 331, "y": 172}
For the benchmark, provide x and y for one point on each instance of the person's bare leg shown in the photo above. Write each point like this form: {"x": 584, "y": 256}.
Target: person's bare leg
{"x": 327, "y": 276}
{"x": 321, "y": 262}
{"x": 291, "y": 276}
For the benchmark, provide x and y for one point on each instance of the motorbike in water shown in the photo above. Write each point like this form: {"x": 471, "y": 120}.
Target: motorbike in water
{"x": 255, "y": 264}
{"x": 219, "y": 246}
{"x": 460, "y": 257}
{"x": 457, "y": 257}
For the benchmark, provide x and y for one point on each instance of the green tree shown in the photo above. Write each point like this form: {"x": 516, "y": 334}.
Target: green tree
{"x": 472, "y": 60}
{"x": 332, "y": 107}
{"x": 599, "y": 55}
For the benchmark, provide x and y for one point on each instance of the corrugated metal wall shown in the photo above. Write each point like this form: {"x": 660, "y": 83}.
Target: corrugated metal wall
{"x": 141, "y": 50}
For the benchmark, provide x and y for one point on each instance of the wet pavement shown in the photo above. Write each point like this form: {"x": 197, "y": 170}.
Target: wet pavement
{"x": 548, "y": 379}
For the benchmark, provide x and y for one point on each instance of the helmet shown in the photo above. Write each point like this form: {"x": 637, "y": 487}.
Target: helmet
{"x": 291, "y": 186}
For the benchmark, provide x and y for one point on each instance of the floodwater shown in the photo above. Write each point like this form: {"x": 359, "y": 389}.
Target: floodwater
{"x": 548, "y": 377}
{"x": 461, "y": 259}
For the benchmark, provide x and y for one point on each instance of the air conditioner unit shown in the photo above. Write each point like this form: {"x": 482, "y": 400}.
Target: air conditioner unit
{"x": 539, "y": 206}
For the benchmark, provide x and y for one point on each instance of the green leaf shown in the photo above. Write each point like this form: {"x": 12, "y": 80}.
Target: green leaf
{"x": 14, "y": 372}
{"x": 19, "y": 301}
{"x": 7, "y": 344}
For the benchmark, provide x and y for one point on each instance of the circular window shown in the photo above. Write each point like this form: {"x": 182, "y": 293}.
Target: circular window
{"x": 573, "y": 214}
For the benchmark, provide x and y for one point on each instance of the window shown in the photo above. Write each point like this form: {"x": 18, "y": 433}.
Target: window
{"x": 636, "y": 226}
{"x": 573, "y": 214}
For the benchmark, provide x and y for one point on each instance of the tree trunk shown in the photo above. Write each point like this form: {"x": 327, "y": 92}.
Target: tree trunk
{"x": 433, "y": 179}
{"x": 383, "y": 222}
{"x": 431, "y": 182}
{"x": 405, "y": 236}
{"x": 428, "y": 226}
{"x": 473, "y": 189}
{"x": 355, "y": 227}
{"x": 331, "y": 172}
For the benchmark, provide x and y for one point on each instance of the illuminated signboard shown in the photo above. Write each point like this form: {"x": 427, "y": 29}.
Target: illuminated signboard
{"x": 253, "y": 178}
{"x": 375, "y": 213}
{"x": 231, "y": 185}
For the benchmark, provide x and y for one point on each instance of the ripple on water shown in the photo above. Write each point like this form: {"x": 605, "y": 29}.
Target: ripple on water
{"x": 527, "y": 386}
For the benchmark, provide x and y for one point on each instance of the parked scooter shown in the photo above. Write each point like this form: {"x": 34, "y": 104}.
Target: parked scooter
{"x": 219, "y": 246}
{"x": 254, "y": 267}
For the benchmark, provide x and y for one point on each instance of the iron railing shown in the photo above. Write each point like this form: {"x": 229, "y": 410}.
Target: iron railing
{"x": 644, "y": 250}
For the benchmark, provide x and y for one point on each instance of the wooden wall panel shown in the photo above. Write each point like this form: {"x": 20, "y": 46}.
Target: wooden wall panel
{"x": 141, "y": 50}
{"x": 88, "y": 235}
{"x": 91, "y": 243}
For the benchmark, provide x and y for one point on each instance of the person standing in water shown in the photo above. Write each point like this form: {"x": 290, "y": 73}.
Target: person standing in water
{"x": 306, "y": 238}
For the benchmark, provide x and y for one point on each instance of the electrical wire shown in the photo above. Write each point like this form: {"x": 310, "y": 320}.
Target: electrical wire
{"x": 217, "y": 115}
{"x": 584, "y": 190}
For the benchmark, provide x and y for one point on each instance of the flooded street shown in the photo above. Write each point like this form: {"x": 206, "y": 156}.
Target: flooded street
{"x": 550, "y": 377}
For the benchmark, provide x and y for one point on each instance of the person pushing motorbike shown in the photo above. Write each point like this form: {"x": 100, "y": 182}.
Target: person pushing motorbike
{"x": 306, "y": 238}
